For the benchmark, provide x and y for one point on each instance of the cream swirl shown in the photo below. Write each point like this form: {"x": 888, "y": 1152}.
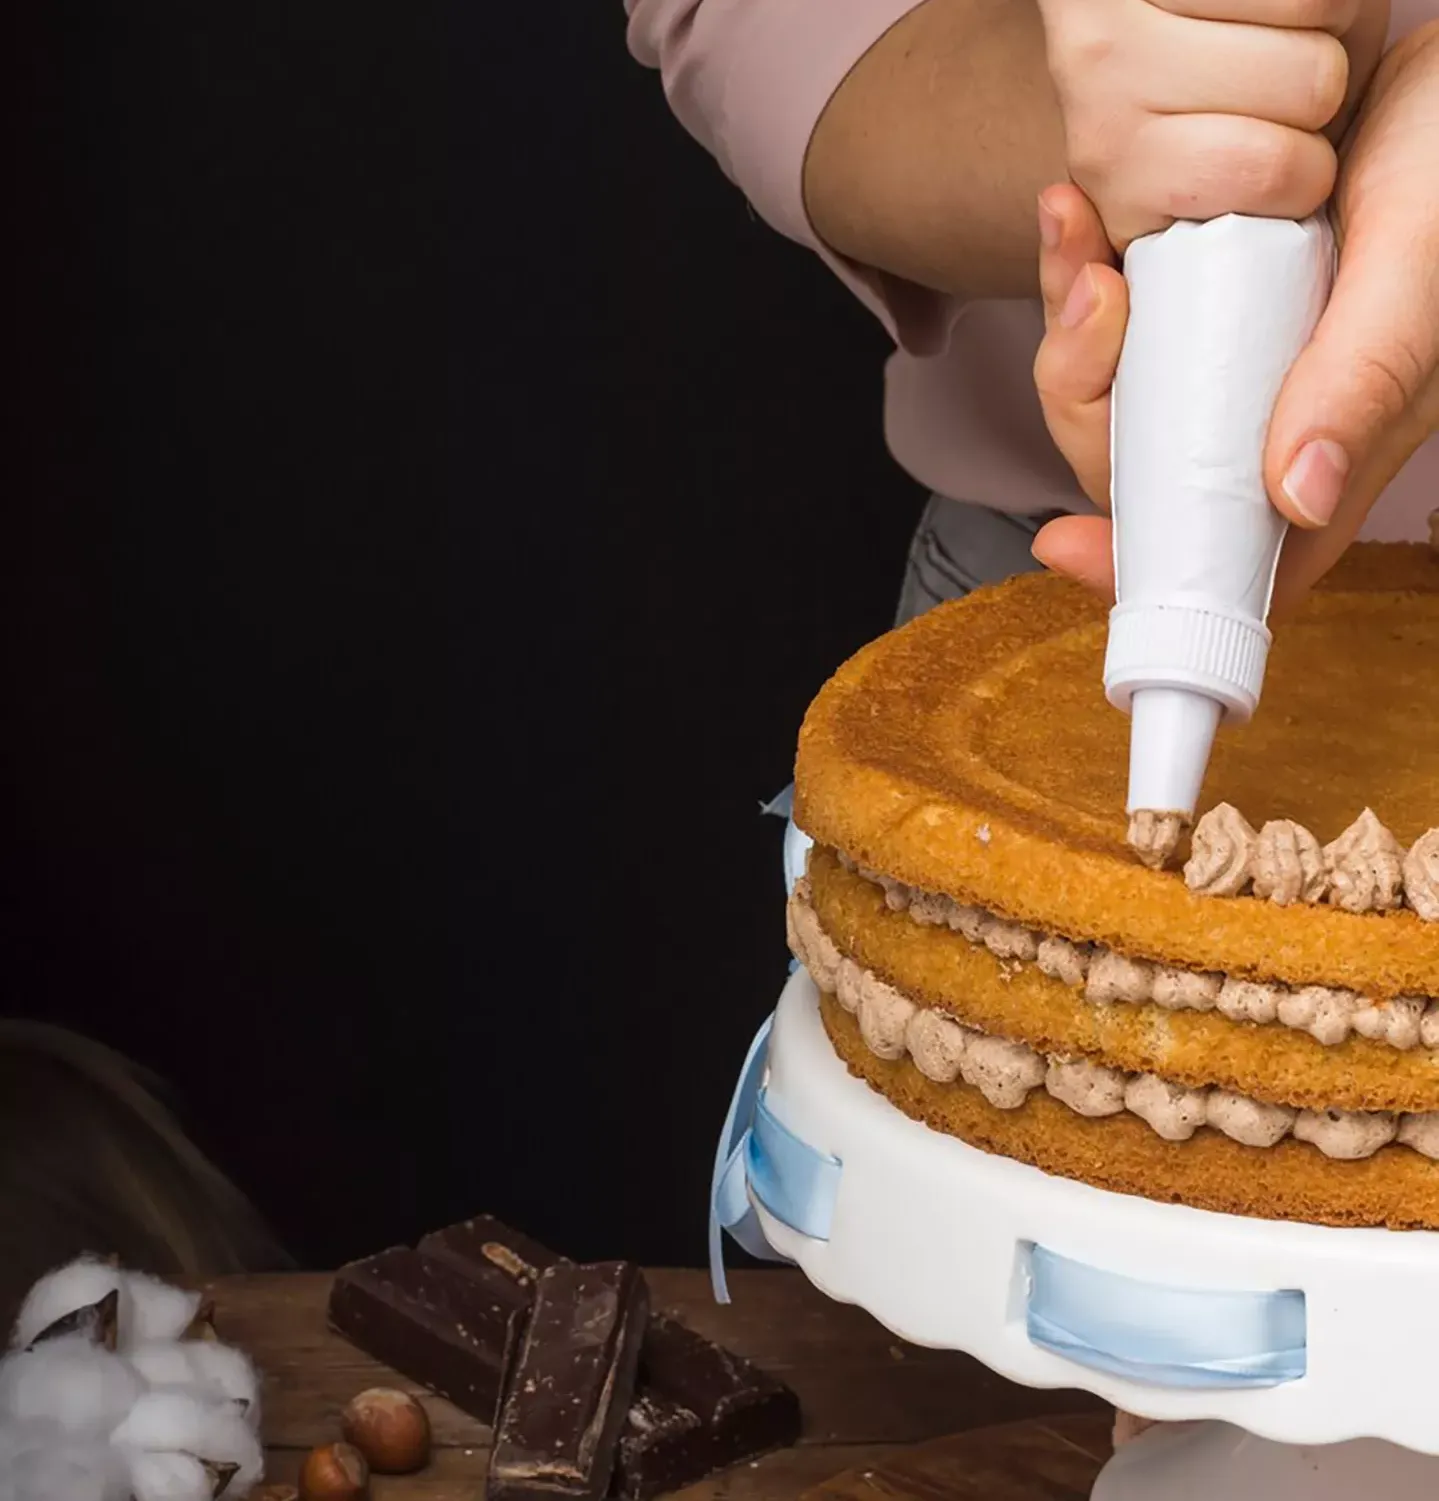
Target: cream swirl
{"x": 1169, "y": 1110}
{"x": 1365, "y": 865}
{"x": 1116, "y": 977}
{"x": 1288, "y": 864}
{"x": 1006, "y": 1072}
{"x": 1087, "y": 1088}
{"x": 1347, "y": 1135}
{"x": 1221, "y": 861}
{"x": 1421, "y": 876}
{"x": 1154, "y": 837}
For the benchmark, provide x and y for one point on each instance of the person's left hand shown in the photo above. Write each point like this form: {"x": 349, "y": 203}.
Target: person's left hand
{"x": 1361, "y": 397}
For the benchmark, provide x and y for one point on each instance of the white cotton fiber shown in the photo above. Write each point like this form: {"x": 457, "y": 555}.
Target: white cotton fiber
{"x": 70, "y": 1382}
{"x": 145, "y": 1422}
{"x": 149, "y": 1309}
{"x": 178, "y": 1422}
{"x": 226, "y": 1370}
{"x": 169, "y": 1477}
{"x": 219, "y": 1370}
{"x": 38, "y": 1462}
{"x": 163, "y": 1365}
{"x": 60, "y": 1293}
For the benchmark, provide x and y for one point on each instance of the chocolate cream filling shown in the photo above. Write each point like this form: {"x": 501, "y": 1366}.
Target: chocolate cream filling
{"x": 1327, "y": 1015}
{"x": 1005, "y": 1072}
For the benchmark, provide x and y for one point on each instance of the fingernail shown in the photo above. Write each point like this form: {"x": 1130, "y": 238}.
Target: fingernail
{"x": 1315, "y": 480}
{"x": 1051, "y": 227}
{"x": 1081, "y": 302}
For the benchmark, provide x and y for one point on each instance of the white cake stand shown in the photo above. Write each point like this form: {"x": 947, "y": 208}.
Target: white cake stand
{"x": 1321, "y": 1375}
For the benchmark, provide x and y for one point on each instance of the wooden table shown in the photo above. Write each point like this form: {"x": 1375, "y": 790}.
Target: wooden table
{"x": 865, "y": 1394}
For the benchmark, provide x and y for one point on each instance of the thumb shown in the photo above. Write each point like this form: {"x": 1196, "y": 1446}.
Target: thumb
{"x": 1345, "y": 423}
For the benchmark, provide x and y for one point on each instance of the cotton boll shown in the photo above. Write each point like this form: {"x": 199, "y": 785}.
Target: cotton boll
{"x": 40, "y": 1462}
{"x": 227, "y": 1371}
{"x": 69, "y": 1381}
{"x": 149, "y": 1309}
{"x": 214, "y": 1371}
{"x": 163, "y": 1364}
{"x": 172, "y": 1477}
{"x": 179, "y": 1422}
{"x": 152, "y": 1310}
{"x": 89, "y": 1473}
{"x": 60, "y": 1293}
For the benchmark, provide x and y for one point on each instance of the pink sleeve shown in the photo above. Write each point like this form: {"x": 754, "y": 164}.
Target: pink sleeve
{"x": 749, "y": 80}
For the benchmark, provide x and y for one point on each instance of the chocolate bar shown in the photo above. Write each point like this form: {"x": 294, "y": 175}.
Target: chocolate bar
{"x": 453, "y": 1332}
{"x": 483, "y": 1245}
{"x": 700, "y": 1409}
{"x": 697, "y": 1408}
{"x": 569, "y": 1390}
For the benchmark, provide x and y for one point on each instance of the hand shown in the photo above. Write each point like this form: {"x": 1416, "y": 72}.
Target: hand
{"x": 1365, "y": 389}
{"x": 1195, "y": 108}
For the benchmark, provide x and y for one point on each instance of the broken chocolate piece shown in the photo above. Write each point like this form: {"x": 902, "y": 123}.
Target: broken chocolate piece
{"x": 570, "y": 1387}
{"x": 698, "y": 1409}
{"x": 484, "y": 1242}
{"x": 99, "y": 1322}
{"x": 453, "y": 1333}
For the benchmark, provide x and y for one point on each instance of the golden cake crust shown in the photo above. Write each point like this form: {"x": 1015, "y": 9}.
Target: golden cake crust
{"x": 937, "y": 968}
{"x": 1396, "y": 1187}
{"x": 972, "y": 753}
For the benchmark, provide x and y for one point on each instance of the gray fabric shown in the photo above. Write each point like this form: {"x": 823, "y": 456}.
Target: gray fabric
{"x": 957, "y": 547}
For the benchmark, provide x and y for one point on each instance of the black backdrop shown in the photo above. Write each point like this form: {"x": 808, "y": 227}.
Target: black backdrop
{"x": 432, "y": 499}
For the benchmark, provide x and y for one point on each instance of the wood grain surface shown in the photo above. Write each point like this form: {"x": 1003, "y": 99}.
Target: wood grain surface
{"x": 865, "y": 1394}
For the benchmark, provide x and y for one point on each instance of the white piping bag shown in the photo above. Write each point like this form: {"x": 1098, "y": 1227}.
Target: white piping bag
{"x": 1218, "y": 312}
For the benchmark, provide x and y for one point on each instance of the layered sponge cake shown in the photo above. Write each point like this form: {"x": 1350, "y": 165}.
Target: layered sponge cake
{"x": 1255, "y": 1031}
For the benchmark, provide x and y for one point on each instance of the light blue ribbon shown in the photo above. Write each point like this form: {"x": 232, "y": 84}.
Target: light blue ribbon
{"x": 758, "y": 1155}
{"x": 781, "y": 805}
{"x": 797, "y": 843}
{"x": 1165, "y": 1336}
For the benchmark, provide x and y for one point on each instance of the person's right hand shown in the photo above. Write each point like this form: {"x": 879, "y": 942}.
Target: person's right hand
{"x": 1189, "y": 109}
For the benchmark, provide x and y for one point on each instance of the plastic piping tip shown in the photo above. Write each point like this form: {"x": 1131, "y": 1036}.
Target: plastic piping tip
{"x": 1171, "y": 734}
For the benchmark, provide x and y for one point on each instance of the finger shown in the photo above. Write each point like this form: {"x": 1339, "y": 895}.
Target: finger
{"x": 1071, "y": 237}
{"x": 1231, "y": 166}
{"x": 1074, "y": 370}
{"x": 1079, "y": 354}
{"x": 1354, "y": 399}
{"x": 1364, "y": 41}
{"x": 1309, "y": 555}
{"x": 1226, "y": 165}
{"x": 1080, "y": 548}
{"x": 1175, "y": 65}
{"x": 1334, "y": 16}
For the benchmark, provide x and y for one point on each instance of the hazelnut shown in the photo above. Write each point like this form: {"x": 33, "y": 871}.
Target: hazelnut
{"x": 334, "y": 1472}
{"x": 390, "y": 1429}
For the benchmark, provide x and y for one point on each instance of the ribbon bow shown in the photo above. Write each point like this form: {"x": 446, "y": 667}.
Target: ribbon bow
{"x": 759, "y": 1159}
{"x": 796, "y": 842}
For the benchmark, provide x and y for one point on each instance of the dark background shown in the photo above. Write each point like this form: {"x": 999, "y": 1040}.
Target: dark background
{"x": 432, "y": 498}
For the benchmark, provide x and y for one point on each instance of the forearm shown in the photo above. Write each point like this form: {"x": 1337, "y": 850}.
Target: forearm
{"x": 884, "y": 184}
